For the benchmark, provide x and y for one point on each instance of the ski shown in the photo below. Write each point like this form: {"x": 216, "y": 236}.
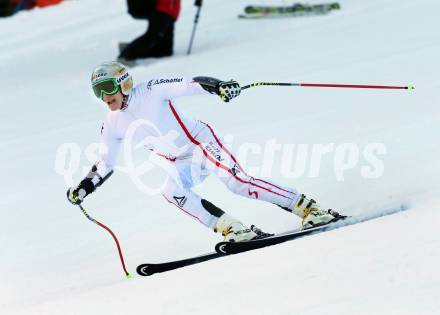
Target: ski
{"x": 223, "y": 249}
{"x": 226, "y": 248}
{"x": 296, "y": 9}
{"x": 150, "y": 269}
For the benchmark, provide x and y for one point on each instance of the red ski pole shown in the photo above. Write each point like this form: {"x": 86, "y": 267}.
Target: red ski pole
{"x": 121, "y": 257}
{"x": 351, "y": 86}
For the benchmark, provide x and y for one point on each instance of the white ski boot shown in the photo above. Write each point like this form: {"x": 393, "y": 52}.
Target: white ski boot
{"x": 233, "y": 230}
{"x": 312, "y": 215}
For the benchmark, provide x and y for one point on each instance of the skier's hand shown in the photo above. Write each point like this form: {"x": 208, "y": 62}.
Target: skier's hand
{"x": 76, "y": 195}
{"x": 227, "y": 90}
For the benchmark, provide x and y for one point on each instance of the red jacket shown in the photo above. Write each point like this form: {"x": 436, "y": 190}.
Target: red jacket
{"x": 170, "y": 7}
{"x": 45, "y": 3}
{"x": 39, "y": 3}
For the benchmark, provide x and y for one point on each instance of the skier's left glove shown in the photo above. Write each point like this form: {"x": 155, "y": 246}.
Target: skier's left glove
{"x": 227, "y": 90}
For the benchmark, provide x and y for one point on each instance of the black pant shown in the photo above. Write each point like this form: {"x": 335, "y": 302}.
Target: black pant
{"x": 157, "y": 40}
{"x": 6, "y": 8}
{"x": 141, "y": 9}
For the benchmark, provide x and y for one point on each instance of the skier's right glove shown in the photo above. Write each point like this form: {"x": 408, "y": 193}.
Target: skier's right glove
{"x": 87, "y": 186}
{"x": 76, "y": 195}
{"x": 227, "y": 90}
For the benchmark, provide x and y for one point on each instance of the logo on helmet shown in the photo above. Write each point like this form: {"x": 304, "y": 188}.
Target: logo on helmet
{"x": 96, "y": 76}
{"x": 120, "y": 79}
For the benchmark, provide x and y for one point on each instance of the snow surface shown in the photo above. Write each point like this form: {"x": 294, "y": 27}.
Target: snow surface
{"x": 54, "y": 261}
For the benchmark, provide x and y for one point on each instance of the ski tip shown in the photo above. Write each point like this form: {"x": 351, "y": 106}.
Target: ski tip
{"x": 410, "y": 87}
{"x": 129, "y": 276}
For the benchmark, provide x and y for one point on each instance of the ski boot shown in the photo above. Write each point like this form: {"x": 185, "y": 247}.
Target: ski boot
{"x": 312, "y": 215}
{"x": 235, "y": 231}
{"x": 260, "y": 233}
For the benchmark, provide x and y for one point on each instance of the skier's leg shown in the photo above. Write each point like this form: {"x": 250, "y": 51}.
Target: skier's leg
{"x": 191, "y": 203}
{"x": 225, "y": 165}
{"x": 205, "y": 212}
{"x": 230, "y": 172}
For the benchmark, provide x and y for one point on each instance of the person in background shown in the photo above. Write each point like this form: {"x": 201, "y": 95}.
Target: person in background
{"x": 6, "y": 8}
{"x": 46, "y": 3}
{"x": 157, "y": 41}
{"x": 10, "y": 7}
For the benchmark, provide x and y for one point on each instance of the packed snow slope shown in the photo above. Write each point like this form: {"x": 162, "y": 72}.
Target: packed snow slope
{"x": 54, "y": 261}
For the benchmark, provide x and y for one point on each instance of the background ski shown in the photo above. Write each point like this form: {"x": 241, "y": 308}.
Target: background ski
{"x": 150, "y": 269}
{"x": 296, "y": 9}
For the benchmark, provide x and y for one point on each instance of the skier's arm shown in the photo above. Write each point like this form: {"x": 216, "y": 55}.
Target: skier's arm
{"x": 167, "y": 88}
{"x": 176, "y": 87}
{"x": 100, "y": 171}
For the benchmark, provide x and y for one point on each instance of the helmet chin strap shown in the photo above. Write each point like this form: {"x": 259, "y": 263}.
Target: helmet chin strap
{"x": 124, "y": 102}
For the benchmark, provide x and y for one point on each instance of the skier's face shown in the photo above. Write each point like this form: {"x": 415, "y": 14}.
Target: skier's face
{"x": 114, "y": 102}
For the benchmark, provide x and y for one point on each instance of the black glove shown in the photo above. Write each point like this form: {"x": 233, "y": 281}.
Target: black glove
{"x": 227, "y": 90}
{"x": 86, "y": 187}
{"x": 76, "y": 195}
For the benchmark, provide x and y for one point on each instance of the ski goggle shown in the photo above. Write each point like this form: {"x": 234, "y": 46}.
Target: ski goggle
{"x": 107, "y": 86}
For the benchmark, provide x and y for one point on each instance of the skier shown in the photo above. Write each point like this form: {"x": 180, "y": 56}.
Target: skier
{"x": 191, "y": 146}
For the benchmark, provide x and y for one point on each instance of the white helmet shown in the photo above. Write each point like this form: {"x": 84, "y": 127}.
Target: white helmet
{"x": 111, "y": 77}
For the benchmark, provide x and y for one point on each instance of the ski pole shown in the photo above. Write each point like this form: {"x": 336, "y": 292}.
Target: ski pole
{"x": 198, "y": 4}
{"x": 112, "y": 234}
{"x": 352, "y": 86}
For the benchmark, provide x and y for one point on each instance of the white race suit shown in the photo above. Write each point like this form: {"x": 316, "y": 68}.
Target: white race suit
{"x": 192, "y": 148}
